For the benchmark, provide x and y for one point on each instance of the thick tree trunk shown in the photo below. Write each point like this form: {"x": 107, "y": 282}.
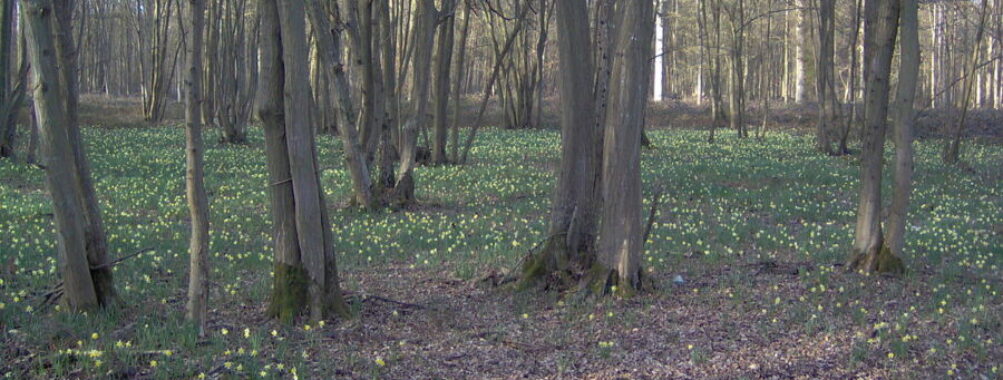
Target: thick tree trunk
{"x": 198, "y": 200}
{"x": 305, "y": 269}
{"x": 81, "y": 290}
{"x": 97, "y": 243}
{"x": 569, "y": 250}
{"x": 460, "y": 73}
{"x": 869, "y": 252}
{"x": 620, "y": 235}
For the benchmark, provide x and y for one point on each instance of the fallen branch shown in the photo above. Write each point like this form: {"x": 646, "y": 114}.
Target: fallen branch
{"x": 53, "y": 295}
{"x": 365, "y": 297}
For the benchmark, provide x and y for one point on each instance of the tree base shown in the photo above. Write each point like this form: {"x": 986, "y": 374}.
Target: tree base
{"x": 289, "y": 293}
{"x": 879, "y": 261}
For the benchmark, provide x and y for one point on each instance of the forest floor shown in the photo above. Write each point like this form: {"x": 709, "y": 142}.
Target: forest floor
{"x": 756, "y": 229}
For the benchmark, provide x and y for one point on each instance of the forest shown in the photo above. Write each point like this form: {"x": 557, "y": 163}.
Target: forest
{"x": 501, "y": 189}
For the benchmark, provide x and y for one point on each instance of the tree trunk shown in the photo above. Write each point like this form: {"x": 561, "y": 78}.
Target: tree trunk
{"x": 824, "y": 78}
{"x": 82, "y": 290}
{"x": 569, "y": 250}
{"x": 8, "y": 127}
{"x": 869, "y": 252}
{"x": 905, "y": 116}
{"x": 97, "y": 244}
{"x": 329, "y": 42}
{"x": 443, "y": 63}
{"x": 800, "y": 52}
{"x": 952, "y": 151}
{"x": 620, "y": 235}
{"x": 424, "y": 38}
{"x": 305, "y": 268}
{"x": 198, "y": 200}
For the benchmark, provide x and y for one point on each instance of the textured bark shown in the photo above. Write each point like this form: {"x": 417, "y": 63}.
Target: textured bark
{"x": 905, "y": 117}
{"x": 97, "y": 243}
{"x": 620, "y": 235}
{"x": 569, "y": 251}
{"x": 61, "y": 174}
{"x": 869, "y": 252}
{"x": 305, "y": 268}
{"x": 198, "y": 200}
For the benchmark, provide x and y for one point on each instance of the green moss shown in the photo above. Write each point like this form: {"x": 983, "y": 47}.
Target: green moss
{"x": 289, "y": 292}
{"x": 879, "y": 261}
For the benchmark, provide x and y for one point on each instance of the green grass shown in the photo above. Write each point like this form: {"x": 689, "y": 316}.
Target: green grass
{"x": 729, "y": 203}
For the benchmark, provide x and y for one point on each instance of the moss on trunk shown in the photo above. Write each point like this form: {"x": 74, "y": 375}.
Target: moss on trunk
{"x": 550, "y": 267}
{"x": 877, "y": 261}
{"x": 289, "y": 292}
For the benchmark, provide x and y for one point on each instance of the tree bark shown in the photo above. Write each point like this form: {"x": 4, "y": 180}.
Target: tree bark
{"x": 620, "y": 234}
{"x": 904, "y": 119}
{"x": 82, "y": 292}
{"x": 569, "y": 250}
{"x": 869, "y": 252}
{"x": 305, "y": 269}
{"x": 198, "y": 200}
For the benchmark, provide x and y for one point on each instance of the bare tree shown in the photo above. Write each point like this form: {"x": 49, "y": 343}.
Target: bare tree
{"x": 569, "y": 249}
{"x": 869, "y": 251}
{"x": 198, "y": 200}
{"x": 620, "y": 234}
{"x": 87, "y": 280}
{"x": 306, "y": 275}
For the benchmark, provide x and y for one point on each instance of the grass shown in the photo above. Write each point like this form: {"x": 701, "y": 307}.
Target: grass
{"x": 757, "y": 229}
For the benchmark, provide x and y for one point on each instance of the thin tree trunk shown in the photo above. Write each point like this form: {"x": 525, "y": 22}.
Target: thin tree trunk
{"x": 905, "y": 99}
{"x": 198, "y": 200}
{"x": 952, "y": 151}
{"x": 869, "y": 253}
{"x": 443, "y": 62}
{"x": 424, "y": 38}
{"x": 329, "y": 42}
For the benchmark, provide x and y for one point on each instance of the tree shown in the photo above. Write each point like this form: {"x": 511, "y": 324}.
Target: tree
{"x": 904, "y": 120}
{"x": 620, "y": 232}
{"x": 87, "y": 280}
{"x": 443, "y": 62}
{"x": 825, "y": 87}
{"x": 870, "y": 254}
{"x": 198, "y": 200}
{"x": 11, "y": 82}
{"x": 952, "y": 150}
{"x": 329, "y": 42}
{"x": 306, "y": 274}
{"x": 423, "y": 40}
{"x": 569, "y": 249}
